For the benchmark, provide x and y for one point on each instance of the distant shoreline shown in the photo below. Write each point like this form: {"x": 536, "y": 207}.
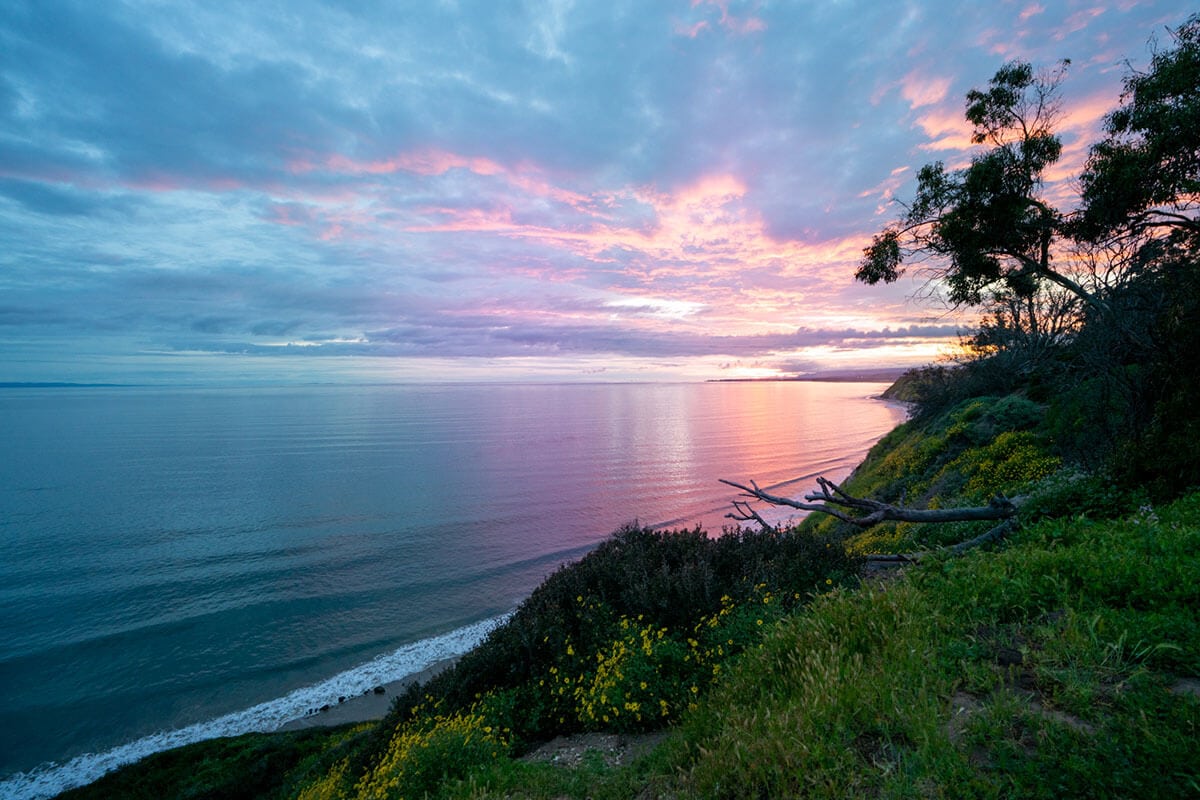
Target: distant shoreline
{"x": 885, "y": 375}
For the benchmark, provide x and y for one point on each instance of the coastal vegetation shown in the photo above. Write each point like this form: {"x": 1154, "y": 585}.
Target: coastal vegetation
{"x": 1063, "y": 663}
{"x": 1060, "y": 661}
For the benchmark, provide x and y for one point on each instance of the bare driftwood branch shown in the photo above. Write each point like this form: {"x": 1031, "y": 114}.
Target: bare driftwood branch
{"x": 991, "y": 535}
{"x": 743, "y": 512}
{"x": 994, "y": 534}
{"x": 833, "y": 500}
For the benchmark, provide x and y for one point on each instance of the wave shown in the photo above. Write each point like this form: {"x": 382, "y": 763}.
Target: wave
{"x": 53, "y": 778}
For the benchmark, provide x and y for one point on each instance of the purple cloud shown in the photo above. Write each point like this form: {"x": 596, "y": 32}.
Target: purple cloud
{"x": 649, "y": 184}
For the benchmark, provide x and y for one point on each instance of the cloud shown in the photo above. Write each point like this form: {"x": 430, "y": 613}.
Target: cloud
{"x": 946, "y": 130}
{"x": 921, "y": 90}
{"x": 53, "y": 199}
{"x": 578, "y": 181}
{"x": 457, "y": 340}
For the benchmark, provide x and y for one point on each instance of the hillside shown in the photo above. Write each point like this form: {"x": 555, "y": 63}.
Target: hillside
{"x": 1062, "y": 662}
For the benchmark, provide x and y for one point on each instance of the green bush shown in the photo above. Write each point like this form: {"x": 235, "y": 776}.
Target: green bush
{"x": 665, "y": 581}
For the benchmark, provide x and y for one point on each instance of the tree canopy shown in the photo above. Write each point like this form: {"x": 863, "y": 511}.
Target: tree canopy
{"x": 1093, "y": 309}
{"x": 987, "y": 231}
{"x": 1145, "y": 173}
{"x": 987, "y": 223}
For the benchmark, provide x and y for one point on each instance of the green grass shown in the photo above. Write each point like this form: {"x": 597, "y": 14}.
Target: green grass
{"x": 1049, "y": 669}
{"x": 1011, "y": 673}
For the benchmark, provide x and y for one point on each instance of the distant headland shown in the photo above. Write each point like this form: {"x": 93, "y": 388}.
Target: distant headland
{"x": 876, "y": 375}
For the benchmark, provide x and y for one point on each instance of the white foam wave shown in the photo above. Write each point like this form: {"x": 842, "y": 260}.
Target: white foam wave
{"x": 53, "y": 778}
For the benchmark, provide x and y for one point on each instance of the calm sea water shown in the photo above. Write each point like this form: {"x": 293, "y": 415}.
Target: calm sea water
{"x": 176, "y": 564}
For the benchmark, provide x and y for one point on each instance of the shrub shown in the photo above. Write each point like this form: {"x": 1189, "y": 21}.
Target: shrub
{"x": 424, "y": 755}
{"x": 1012, "y": 461}
{"x": 639, "y": 580}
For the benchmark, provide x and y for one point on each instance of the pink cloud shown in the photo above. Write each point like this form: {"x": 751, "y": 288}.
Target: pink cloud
{"x": 704, "y": 245}
{"x": 1000, "y": 42}
{"x": 431, "y": 162}
{"x": 324, "y": 220}
{"x": 1080, "y": 126}
{"x": 947, "y": 129}
{"x": 163, "y": 181}
{"x": 690, "y": 31}
{"x": 153, "y": 180}
{"x": 923, "y": 90}
{"x": 731, "y": 23}
{"x": 332, "y": 232}
{"x": 439, "y": 162}
{"x": 1031, "y": 10}
{"x": 886, "y": 189}
{"x": 706, "y": 238}
{"x": 1077, "y": 22}
{"x": 290, "y": 214}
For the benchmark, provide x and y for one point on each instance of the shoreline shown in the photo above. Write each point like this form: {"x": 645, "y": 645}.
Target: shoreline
{"x": 51, "y": 778}
{"x": 371, "y": 705}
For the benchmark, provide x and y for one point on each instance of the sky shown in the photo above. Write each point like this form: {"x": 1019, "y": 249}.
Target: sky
{"x": 443, "y": 191}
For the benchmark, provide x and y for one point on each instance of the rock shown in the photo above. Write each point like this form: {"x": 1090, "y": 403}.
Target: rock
{"x": 379, "y": 690}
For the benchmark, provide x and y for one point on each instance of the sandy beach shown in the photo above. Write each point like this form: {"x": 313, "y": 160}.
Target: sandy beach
{"x": 368, "y": 706}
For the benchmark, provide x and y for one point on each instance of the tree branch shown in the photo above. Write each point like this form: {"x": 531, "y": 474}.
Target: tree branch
{"x": 832, "y": 499}
{"x": 991, "y": 535}
{"x": 831, "y": 495}
{"x": 1031, "y": 266}
{"x": 1158, "y": 218}
{"x": 743, "y": 512}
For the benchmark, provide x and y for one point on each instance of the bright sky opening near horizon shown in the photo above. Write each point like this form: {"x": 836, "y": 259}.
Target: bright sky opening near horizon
{"x": 554, "y": 190}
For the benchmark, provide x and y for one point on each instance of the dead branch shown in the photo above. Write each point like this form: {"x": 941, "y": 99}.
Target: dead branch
{"x": 833, "y": 500}
{"x": 743, "y": 512}
{"x": 992, "y": 534}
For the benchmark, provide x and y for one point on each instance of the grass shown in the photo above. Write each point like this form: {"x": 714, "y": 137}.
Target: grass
{"x": 1056, "y": 667}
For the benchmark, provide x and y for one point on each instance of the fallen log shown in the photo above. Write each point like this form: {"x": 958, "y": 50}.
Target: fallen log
{"x": 873, "y": 512}
{"x": 832, "y": 499}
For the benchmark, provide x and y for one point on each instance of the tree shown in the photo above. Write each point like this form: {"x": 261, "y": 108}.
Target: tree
{"x": 986, "y": 225}
{"x": 863, "y": 512}
{"x": 1019, "y": 336}
{"x": 1140, "y": 193}
{"x": 1115, "y": 338}
{"x": 1145, "y": 174}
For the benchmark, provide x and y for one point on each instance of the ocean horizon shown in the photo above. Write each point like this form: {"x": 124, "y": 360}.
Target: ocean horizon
{"x": 178, "y": 564}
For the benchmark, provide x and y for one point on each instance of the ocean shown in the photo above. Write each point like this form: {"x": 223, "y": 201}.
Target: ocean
{"x": 177, "y": 564}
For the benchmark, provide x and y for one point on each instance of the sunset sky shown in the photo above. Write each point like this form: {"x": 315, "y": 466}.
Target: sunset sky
{"x": 617, "y": 190}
